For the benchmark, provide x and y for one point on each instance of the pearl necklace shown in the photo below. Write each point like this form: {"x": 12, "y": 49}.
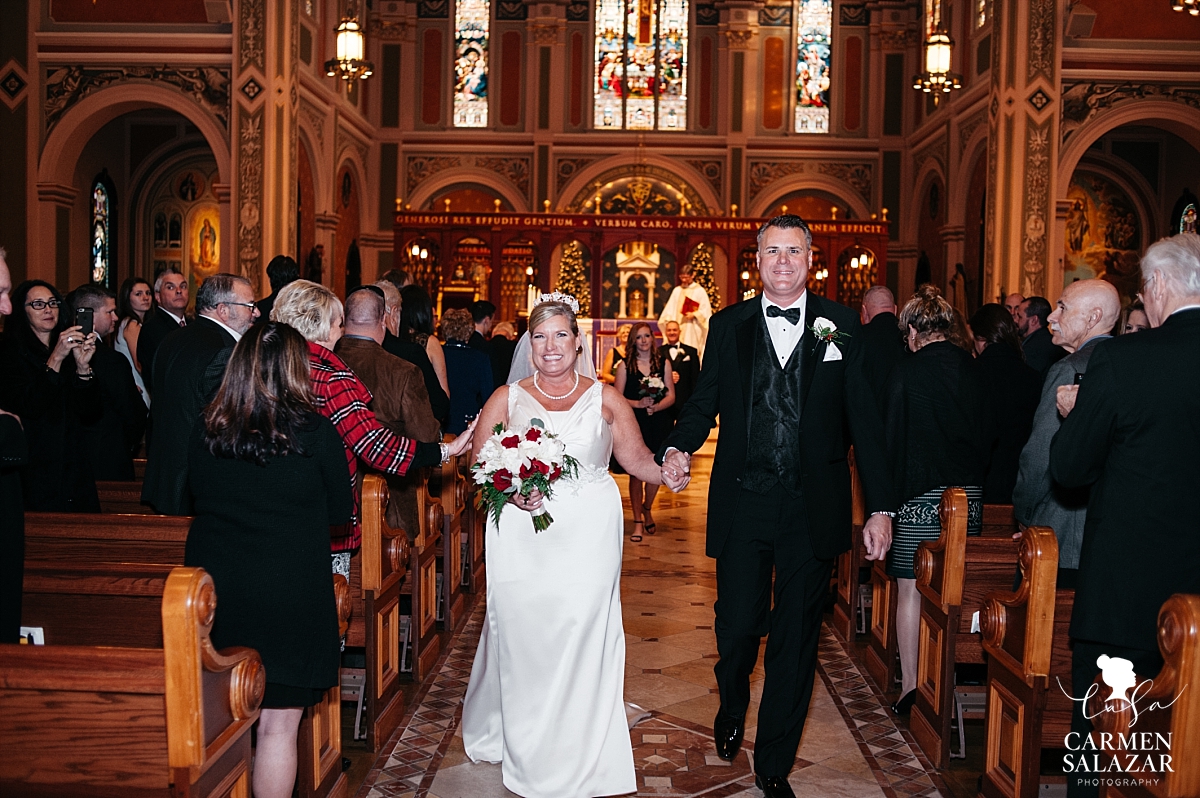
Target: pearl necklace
{"x": 555, "y": 398}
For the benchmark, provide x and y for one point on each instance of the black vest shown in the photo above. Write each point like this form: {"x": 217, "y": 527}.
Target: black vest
{"x": 774, "y": 444}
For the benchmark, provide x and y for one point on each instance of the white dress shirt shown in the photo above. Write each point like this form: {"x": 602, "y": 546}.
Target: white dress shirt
{"x": 785, "y": 336}
{"x": 178, "y": 319}
{"x": 237, "y": 336}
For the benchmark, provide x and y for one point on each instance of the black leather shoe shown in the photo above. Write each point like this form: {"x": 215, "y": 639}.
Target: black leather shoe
{"x": 727, "y": 734}
{"x": 774, "y": 786}
{"x": 905, "y": 704}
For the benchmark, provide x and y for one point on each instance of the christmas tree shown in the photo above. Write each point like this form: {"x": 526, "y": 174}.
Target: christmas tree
{"x": 573, "y": 277}
{"x": 702, "y": 273}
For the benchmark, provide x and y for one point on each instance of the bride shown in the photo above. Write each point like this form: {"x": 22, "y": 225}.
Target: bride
{"x": 546, "y": 691}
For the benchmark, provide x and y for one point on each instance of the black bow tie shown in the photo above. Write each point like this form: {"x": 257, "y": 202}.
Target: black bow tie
{"x": 791, "y": 314}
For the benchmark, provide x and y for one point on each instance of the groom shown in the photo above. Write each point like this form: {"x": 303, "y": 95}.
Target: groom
{"x": 785, "y": 374}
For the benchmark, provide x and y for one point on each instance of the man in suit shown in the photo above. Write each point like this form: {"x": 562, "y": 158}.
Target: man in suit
{"x": 1086, "y": 312}
{"x": 482, "y": 312}
{"x": 171, "y": 300}
{"x": 1011, "y": 303}
{"x": 783, "y": 373}
{"x": 685, "y": 365}
{"x": 14, "y": 453}
{"x": 410, "y": 351}
{"x": 501, "y": 347}
{"x": 1131, "y": 433}
{"x": 188, "y": 370}
{"x": 399, "y": 401}
{"x": 1040, "y": 351}
{"x": 882, "y": 340}
{"x": 110, "y": 438}
{"x": 280, "y": 271}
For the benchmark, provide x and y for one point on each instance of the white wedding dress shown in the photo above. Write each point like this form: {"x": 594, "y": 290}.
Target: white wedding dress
{"x": 545, "y": 697}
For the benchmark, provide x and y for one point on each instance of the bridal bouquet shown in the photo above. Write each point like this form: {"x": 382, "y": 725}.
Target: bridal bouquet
{"x": 519, "y": 461}
{"x": 654, "y": 387}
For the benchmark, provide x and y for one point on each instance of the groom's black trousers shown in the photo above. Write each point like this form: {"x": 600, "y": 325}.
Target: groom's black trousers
{"x": 771, "y": 535}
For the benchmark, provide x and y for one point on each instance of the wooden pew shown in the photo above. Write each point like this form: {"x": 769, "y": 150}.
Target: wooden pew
{"x": 72, "y": 539}
{"x": 139, "y": 469}
{"x": 376, "y": 576}
{"x": 122, "y": 497}
{"x": 421, "y": 584}
{"x": 170, "y": 720}
{"x": 474, "y": 525}
{"x": 449, "y": 488}
{"x": 847, "y": 600}
{"x": 882, "y": 656}
{"x": 1029, "y": 668}
{"x": 1176, "y": 715}
{"x": 954, "y": 574}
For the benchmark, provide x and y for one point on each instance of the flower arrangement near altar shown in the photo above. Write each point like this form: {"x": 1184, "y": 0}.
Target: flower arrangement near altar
{"x": 519, "y": 461}
{"x": 654, "y": 387}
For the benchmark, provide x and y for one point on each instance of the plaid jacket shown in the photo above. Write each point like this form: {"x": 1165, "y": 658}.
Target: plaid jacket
{"x": 342, "y": 398}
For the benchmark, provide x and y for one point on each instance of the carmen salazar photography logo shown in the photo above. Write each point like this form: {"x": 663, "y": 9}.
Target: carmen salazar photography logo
{"x": 1123, "y": 758}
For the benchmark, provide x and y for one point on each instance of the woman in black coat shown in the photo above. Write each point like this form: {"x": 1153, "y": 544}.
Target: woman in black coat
{"x": 268, "y": 478}
{"x": 468, "y": 370}
{"x": 46, "y": 379}
{"x": 935, "y": 436}
{"x": 1012, "y": 391}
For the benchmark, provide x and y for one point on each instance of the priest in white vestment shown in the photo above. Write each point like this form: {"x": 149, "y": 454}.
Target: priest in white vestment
{"x": 688, "y": 305}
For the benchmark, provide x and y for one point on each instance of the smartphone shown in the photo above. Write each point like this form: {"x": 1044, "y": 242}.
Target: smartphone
{"x": 83, "y": 320}
{"x": 1078, "y": 377}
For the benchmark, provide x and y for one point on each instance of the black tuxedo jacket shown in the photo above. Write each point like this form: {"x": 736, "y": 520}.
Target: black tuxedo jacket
{"x": 188, "y": 370}
{"x": 687, "y": 365}
{"x": 155, "y": 329}
{"x": 832, "y": 393}
{"x": 1134, "y": 434}
{"x": 883, "y": 348}
{"x": 111, "y": 438}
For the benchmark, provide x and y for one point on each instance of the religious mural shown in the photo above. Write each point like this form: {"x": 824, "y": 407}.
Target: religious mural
{"x": 1103, "y": 236}
{"x": 204, "y": 256}
{"x": 471, "y": 18}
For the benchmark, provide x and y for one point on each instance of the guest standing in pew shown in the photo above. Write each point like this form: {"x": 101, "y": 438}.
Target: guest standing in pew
{"x": 134, "y": 301}
{"x": 501, "y": 346}
{"x": 340, "y": 396}
{"x": 1133, "y": 319}
{"x": 468, "y": 369}
{"x": 190, "y": 364}
{"x": 1040, "y": 351}
{"x": 281, "y": 271}
{"x": 112, "y": 438}
{"x": 482, "y": 313}
{"x": 935, "y": 434}
{"x": 784, "y": 374}
{"x": 439, "y": 402}
{"x": 883, "y": 342}
{"x": 1131, "y": 432}
{"x": 1010, "y": 398}
{"x": 48, "y": 381}
{"x": 417, "y": 325}
{"x": 1086, "y": 311}
{"x": 13, "y": 455}
{"x": 399, "y": 399}
{"x": 167, "y": 315}
{"x": 268, "y": 478}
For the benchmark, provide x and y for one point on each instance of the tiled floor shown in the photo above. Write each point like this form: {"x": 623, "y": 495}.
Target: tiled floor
{"x": 851, "y": 747}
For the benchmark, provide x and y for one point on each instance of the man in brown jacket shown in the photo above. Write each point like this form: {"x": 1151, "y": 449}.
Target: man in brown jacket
{"x": 400, "y": 401}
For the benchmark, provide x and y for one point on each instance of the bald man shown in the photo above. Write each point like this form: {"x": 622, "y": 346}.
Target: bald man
{"x": 1011, "y": 303}
{"x": 1086, "y": 313}
{"x": 883, "y": 343}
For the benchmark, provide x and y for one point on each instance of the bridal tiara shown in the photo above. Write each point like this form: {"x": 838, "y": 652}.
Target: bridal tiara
{"x": 558, "y": 296}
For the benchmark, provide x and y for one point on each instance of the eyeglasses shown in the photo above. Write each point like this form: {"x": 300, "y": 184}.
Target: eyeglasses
{"x": 42, "y": 304}
{"x": 250, "y": 305}
{"x": 1145, "y": 286}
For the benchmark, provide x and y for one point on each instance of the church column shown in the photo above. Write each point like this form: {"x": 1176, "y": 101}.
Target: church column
{"x": 1023, "y": 146}
{"x": 326, "y": 234}
{"x": 225, "y": 218}
{"x": 953, "y": 236}
{"x": 266, "y": 101}
{"x": 738, "y": 92}
{"x": 54, "y": 230}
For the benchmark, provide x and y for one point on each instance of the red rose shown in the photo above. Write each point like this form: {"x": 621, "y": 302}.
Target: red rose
{"x": 540, "y": 467}
{"x": 525, "y": 472}
{"x": 534, "y": 434}
{"x": 502, "y": 480}
{"x": 555, "y": 473}
{"x": 511, "y": 442}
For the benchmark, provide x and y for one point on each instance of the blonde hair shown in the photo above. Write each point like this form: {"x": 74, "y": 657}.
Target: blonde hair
{"x": 308, "y": 307}
{"x": 928, "y": 313}
{"x": 547, "y": 310}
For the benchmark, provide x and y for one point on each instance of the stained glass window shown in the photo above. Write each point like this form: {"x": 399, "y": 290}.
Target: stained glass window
{"x": 100, "y": 232}
{"x": 814, "y": 23}
{"x": 471, "y": 18}
{"x": 641, "y": 64}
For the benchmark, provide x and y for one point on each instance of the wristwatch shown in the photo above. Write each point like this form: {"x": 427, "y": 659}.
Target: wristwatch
{"x": 445, "y": 450}
{"x": 888, "y": 513}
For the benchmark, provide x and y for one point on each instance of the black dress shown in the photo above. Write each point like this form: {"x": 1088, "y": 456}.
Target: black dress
{"x": 656, "y": 427}
{"x": 263, "y": 534}
{"x": 1012, "y": 390}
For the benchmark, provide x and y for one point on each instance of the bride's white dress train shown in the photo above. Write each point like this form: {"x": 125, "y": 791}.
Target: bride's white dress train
{"x": 545, "y": 697}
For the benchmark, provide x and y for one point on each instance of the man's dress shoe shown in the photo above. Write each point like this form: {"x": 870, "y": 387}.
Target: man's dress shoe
{"x": 727, "y": 733}
{"x": 774, "y": 786}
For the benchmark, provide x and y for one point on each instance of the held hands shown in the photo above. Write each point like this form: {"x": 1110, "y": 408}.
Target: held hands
{"x": 462, "y": 443}
{"x": 676, "y": 470}
{"x": 1066, "y": 399}
{"x": 877, "y": 536}
{"x": 528, "y": 503}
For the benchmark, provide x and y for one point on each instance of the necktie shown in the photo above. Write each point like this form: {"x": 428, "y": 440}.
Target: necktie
{"x": 791, "y": 314}
{"x": 183, "y": 322}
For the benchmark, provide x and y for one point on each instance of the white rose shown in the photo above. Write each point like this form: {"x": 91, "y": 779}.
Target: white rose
{"x": 824, "y": 323}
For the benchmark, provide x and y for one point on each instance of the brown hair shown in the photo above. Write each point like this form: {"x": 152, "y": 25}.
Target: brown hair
{"x": 928, "y": 313}
{"x": 457, "y": 325}
{"x": 631, "y": 353}
{"x": 264, "y": 399}
{"x": 994, "y": 324}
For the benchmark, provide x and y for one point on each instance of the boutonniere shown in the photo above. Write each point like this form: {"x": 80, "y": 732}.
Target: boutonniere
{"x": 825, "y": 330}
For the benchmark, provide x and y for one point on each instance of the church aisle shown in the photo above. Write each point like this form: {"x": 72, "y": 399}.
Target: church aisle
{"x": 851, "y": 746}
